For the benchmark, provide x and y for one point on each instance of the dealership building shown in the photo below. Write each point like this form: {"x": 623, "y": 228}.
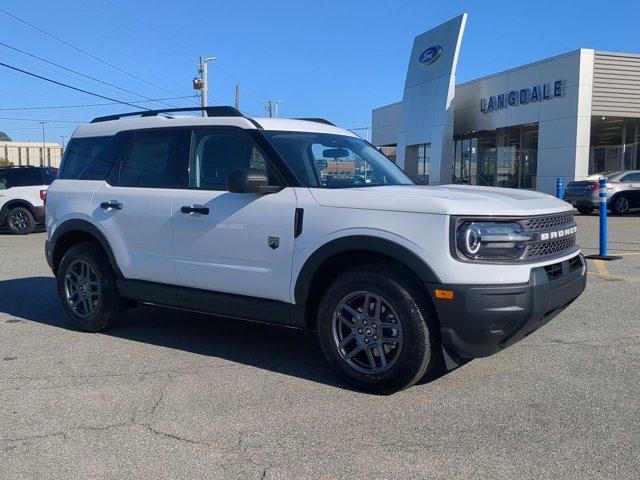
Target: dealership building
{"x": 569, "y": 116}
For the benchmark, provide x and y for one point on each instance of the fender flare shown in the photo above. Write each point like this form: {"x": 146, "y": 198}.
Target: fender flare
{"x": 361, "y": 243}
{"x": 87, "y": 227}
{"x": 6, "y": 208}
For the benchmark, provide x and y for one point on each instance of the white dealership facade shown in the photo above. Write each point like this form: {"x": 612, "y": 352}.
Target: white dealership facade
{"x": 567, "y": 116}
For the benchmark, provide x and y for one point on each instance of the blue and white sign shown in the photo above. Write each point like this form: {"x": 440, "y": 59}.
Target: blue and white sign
{"x": 537, "y": 93}
{"x": 430, "y": 55}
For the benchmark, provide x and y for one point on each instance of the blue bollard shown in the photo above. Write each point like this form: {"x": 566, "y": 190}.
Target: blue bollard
{"x": 602, "y": 199}
{"x": 559, "y": 187}
{"x": 603, "y": 216}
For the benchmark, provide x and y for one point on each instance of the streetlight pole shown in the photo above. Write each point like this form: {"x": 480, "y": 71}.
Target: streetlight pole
{"x": 202, "y": 82}
{"x": 271, "y": 106}
{"x": 43, "y": 148}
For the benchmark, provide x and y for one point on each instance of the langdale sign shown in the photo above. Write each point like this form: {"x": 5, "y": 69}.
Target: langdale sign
{"x": 537, "y": 93}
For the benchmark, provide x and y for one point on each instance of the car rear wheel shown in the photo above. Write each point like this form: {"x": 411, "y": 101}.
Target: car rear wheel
{"x": 585, "y": 210}
{"x": 621, "y": 205}
{"x": 376, "y": 330}
{"x": 87, "y": 288}
{"x": 20, "y": 221}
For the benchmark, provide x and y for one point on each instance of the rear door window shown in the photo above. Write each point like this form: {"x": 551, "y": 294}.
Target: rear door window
{"x": 156, "y": 159}
{"x": 23, "y": 177}
{"x": 82, "y": 161}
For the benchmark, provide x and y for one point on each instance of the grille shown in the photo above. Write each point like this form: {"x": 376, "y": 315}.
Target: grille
{"x": 547, "y": 223}
{"x": 547, "y": 249}
{"x": 554, "y": 271}
{"x": 557, "y": 270}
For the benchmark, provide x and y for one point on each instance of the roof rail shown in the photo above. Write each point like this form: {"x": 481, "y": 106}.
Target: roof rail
{"x": 317, "y": 120}
{"x": 221, "y": 111}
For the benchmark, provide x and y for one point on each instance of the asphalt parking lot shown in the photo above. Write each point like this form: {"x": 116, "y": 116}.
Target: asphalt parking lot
{"x": 166, "y": 394}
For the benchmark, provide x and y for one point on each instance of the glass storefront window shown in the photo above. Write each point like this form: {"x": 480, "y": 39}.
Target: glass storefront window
{"x": 424, "y": 163}
{"x": 502, "y": 158}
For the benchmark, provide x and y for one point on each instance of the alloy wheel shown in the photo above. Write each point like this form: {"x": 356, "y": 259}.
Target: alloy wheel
{"x": 622, "y": 205}
{"x": 82, "y": 288}
{"x": 367, "y": 332}
{"x": 19, "y": 221}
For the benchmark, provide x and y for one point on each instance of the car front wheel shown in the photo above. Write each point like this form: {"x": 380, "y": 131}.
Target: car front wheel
{"x": 376, "y": 331}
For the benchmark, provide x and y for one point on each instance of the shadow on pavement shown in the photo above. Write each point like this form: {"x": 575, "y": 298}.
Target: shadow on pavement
{"x": 278, "y": 349}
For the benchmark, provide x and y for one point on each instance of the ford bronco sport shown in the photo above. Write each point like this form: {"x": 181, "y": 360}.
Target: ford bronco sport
{"x": 303, "y": 224}
{"x": 22, "y": 194}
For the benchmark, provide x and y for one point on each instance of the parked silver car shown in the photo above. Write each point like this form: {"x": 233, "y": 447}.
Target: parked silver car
{"x": 623, "y": 192}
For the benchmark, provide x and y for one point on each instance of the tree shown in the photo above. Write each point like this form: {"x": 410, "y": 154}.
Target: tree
{"x": 5, "y": 163}
{"x": 4, "y": 137}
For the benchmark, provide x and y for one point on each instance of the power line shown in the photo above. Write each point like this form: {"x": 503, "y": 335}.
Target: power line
{"x": 70, "y": 86}
{"x": 182, "y": 46}
{"x": 53, "y": 107}
{"x": 76, "y": 72}
{"x": 151, "y": 27}
{"x": 84, "y": 52}
{"x": 42, "y": 120}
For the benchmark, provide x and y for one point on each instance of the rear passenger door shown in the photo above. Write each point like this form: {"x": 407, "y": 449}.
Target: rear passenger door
{"x": 133, "y": 206}
{"x": 239, "y": 243}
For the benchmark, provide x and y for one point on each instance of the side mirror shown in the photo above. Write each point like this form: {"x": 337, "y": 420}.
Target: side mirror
{"x": 250, "y": 180}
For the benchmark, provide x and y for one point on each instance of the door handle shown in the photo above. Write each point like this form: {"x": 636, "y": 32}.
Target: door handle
{"x": 194, "y": 209}
{"x": 111, "y": 205}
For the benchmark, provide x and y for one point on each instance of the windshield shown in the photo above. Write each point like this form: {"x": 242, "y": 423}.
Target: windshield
{"x": 335, "y": 161}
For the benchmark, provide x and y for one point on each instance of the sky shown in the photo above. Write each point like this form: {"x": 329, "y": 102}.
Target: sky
{"x": 331, "y": 59}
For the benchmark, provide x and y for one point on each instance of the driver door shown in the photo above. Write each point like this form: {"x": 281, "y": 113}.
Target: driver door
{"x": 238, "y": 243}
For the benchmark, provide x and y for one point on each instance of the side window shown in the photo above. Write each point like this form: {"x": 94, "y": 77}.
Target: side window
{"x": 631, "y": 177}
{"x": 23, "y": 177}
{"x": 156, "y": 159}
{"x": 82, "y": 161}
{"x": 3, "y": 181}
{"x": 216, "y": 153}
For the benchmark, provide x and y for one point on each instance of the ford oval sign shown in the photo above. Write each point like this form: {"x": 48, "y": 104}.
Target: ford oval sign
{"x": 430, "y": 55}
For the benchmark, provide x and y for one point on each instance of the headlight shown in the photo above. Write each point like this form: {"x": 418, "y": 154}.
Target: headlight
{"x": 480, "y": 240}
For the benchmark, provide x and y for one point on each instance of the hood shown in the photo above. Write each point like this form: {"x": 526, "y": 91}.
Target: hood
{"x": 443, "y": 200}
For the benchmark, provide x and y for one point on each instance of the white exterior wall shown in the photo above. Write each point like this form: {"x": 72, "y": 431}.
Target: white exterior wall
{"x": 564, "y": 122}
{"x": 384, "y": 121}
{"x": 30, "y": 153}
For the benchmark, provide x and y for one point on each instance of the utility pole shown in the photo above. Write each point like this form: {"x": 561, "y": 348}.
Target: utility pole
{"x": 43, "y": 150}
{"x": 201, "y": 82}
{"x": 63, "y": 137}
{"x": 271, "y": 107}
{"x": 237, "y": 102}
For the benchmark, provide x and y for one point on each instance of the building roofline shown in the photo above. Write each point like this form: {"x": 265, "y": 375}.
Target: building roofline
{"x": 526, "y": 65}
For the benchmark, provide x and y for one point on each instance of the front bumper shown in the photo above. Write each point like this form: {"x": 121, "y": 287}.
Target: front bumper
{"x": 481, "y": 320}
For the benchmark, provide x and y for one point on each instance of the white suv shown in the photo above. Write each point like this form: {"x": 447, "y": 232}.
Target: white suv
{"x": 22, "y": 194}
{"x": 303, "y": 224}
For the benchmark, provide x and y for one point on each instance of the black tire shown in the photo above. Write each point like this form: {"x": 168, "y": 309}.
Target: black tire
{"x": 420, "y": 350}
{"x": 620, "y": 205}
{"x": 585, "y": 210}
{"x": 108, "y": 306}
{"x": 20, "y": 221}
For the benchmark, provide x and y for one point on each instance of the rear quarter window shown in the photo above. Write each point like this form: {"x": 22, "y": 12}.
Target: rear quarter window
{"x": 82, "y": 159}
